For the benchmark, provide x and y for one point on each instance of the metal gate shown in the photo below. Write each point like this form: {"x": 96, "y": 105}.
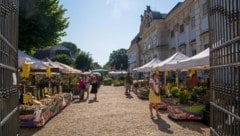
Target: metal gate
{"x": 224, "y": 26}
{"x": 8, "y": 67}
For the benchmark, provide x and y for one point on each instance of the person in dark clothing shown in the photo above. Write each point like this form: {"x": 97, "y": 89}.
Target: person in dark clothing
{"x": 94, "y": 89}
{"x": 128, "y": 83}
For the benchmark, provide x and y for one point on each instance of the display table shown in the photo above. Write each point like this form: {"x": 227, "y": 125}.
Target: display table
{"x": 178, "y": 113}
{"x": 38, "y": 114}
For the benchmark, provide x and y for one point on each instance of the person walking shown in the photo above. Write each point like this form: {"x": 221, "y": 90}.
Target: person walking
{"x": 87, "y": 84}
{"x": 154, "y": 95}
{"x": 128, "y": 84}
{"x": 94, "y": 88}
{"x": 81, "y": 87}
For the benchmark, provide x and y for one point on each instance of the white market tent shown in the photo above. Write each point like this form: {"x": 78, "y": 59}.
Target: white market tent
{"x": 117, "y": 72}
{"x": 169, "y": 63}
{"x": 36, "y": 64}
{"x": 199, "y": 61}
{"x": 148, "y": 67}
{"x": 68, "y": 69}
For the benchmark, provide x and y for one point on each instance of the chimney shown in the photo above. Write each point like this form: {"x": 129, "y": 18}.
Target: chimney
{"x": 148, "y": 8}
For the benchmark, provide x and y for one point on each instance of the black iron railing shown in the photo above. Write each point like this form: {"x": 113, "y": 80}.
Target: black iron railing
{"x": 224, "y": 26}
{"x": 8, "y": 67}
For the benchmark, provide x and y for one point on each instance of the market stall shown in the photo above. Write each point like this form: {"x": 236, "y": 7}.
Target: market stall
{"x": 37, "y": 113}
{"x": 41, "y": 90}
{"x": 148, "y": 66}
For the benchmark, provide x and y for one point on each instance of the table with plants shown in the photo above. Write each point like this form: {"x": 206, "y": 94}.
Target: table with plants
{"x": 41, "y": 101}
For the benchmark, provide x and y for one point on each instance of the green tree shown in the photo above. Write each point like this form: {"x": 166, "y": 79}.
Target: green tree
{"x": 119, "y": 59}
{"x": 41, "y": 24}
{"x": 63, "y": 58}
{"x": 83, "y": 61}
{"x": 95, "y": 65}
{"x": 72, "y": 47}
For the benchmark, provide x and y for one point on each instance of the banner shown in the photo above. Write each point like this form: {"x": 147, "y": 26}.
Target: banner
{"x": 156, "y": 70}
{"x": 191, "y": 72}
{"x": 26, "y": 98}
{"x": 25, "y": 70}
{"x": 48, "y": 72}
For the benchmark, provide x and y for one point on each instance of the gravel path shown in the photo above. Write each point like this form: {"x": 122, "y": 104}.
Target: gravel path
{"x": 114, "y": 115}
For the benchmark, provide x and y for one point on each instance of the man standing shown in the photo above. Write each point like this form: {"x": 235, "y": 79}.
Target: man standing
{"x": 128, "y": 84}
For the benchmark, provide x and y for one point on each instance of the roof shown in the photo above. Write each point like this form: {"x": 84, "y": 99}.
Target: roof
{"x": 174, "y": 8}
{"x": 155, "y": 14}
{"x": 136, "y": 39}
{"x": 158, "y": 15}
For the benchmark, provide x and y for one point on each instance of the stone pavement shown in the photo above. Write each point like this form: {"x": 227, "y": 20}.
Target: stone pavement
{"x": 114, "y": 114}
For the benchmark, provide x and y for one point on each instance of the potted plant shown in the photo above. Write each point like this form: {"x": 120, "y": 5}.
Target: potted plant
{"x": 175, "y": 91}
{"x": 183, "y": 97}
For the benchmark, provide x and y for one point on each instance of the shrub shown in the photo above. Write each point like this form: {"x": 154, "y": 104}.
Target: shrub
{"x": 194, "y": 97}
{"x": 118, "y": 83}
{"x": 107, "y": 81}
{"x": 144, "y": 92}
{"x": 163, "y": 91}
{"x": 198, "y": 90}
{"x": 175, "y": 91}
{"x": 122, "y": 78}
{"x": 183, "y": 96}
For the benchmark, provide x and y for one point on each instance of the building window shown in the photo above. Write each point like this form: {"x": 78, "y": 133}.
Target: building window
{"x": 181, "y": 28}
{"x": 172, "y": 33}
{"x": 205, "y": 8}
{"x": 206, "y": 46}
{"x": 194, "y": 52}
{"x": 193, "y": 22}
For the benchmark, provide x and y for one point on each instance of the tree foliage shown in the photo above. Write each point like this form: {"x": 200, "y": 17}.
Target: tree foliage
{"x": 41, "y": 23}
{"x": 119, "y": 59}
{"x": 72, "y": 47}
{"x": 63, "y": 58}
{"x": 83, "y": 61}
{"x": 95, "y": 65}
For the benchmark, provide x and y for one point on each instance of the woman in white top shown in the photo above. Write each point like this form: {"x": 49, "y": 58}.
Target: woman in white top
{"x": 154, "y": 98}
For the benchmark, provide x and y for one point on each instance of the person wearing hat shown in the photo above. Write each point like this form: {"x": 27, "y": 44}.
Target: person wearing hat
{"x": 154, "y": 98}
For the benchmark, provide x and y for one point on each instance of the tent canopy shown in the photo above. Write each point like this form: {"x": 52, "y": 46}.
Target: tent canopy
{"x": 199, "y": 61}
{"x": 167, "y": 64}
{"x": 102, "y": 71}
{"x": 67, "y": 69}
{"x": 36, "y": 64}
{"x": 148, "y": 67}
{"x": 117, "y": 72}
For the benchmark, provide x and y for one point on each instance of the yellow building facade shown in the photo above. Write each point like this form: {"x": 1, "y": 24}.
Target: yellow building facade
{"x": 184, "y": 29}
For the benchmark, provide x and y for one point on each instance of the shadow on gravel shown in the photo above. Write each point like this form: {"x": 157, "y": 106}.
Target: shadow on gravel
{"x": 129, "y": 96}
{"x": 162, "y": 125}
{"x": 77, "y": 101}
{"x": 28, "y": 131}
{"x": 192, "y": 125}
{"x": 92, "y": 101}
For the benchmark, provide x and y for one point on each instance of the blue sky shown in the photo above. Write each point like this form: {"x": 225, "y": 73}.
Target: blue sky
{"x": 101, "y": 26}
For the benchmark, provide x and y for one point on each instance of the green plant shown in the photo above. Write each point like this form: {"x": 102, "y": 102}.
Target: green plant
{"x": 194, "y": 97}
{"x": 175, "y": 91}
{"x": 118, "y": 83}
{"x": 107, "y": 81}
{"x": 197, "y": 109}
{"x": 144, "y": 92}
{"x": 163, "y": 91}
{"x": 122, "y": 78}
{"x": 198, "y": 90}
{"x": 183, "y": 96}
